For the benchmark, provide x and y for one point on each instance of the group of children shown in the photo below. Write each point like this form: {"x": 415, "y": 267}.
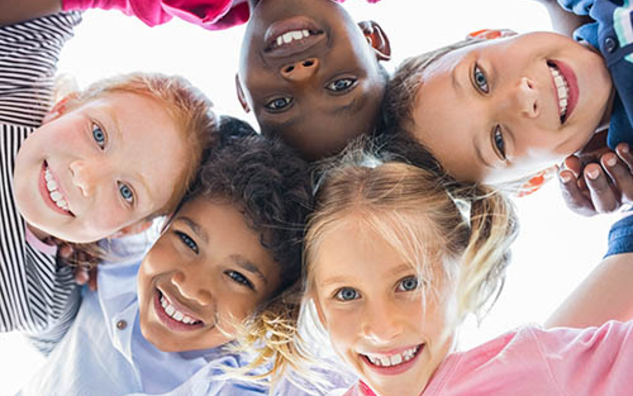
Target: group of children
{"x": 387, "y": 250}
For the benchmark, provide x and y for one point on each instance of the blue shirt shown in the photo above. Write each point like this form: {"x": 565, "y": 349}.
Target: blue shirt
{"x": 105, "y": 354}
{"x": 612, "y": 34}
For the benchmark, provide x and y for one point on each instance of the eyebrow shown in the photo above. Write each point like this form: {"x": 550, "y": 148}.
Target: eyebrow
{"x": 195, "y": 227}
{"x": 248, "y": 265}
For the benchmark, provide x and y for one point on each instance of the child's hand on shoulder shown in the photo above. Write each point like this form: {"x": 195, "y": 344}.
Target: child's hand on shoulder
{"x": 598, "y": 184}
{"x": 84, "y": 264}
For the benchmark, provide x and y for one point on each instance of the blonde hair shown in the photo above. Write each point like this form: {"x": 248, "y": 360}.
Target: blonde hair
{"x": 467, "y": 229}
{"x": 191, "y": 110}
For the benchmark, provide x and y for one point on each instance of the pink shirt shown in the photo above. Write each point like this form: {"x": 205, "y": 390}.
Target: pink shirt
{"x": 536, "y": 362}
{"x": 210, "y": 14}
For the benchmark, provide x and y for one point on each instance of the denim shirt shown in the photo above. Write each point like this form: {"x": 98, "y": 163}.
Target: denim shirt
{"x": 612, "y": 35}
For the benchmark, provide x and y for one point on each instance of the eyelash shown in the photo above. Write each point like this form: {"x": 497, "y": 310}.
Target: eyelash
{"x": 481, "y": 86}
{"x": 103, "y": 137}
{"x": 338, "y": 294}
{"x": 407, "y": 279}
{"x": 332, "y": 86}
{"x": 272, "y": 107}
{"x": 187, "y": 241}
{"x": 240, "y": 279}
{"x": 498, "y": 141}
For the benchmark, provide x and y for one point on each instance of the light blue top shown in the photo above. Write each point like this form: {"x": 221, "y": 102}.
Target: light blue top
{"x": 99, "y": 356}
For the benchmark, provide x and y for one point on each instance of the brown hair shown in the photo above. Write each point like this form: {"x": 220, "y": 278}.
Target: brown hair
{"x": 468, "y": 229}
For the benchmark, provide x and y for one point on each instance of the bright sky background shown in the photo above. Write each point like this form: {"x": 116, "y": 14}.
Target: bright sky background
{"x": 556, "y": 248}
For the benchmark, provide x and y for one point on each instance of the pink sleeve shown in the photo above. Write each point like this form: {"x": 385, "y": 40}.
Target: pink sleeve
{"x": 592, "y": 361}
{"x": 209, "y": 14}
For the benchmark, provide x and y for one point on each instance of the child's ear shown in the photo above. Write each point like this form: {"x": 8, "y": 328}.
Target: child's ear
{"x": 377, "y": 38}
{"x": 59, "y": 108}
{"x": 135, "y": 228}
{"x": 489, "y": 34}
{"x": 240, "y": 94}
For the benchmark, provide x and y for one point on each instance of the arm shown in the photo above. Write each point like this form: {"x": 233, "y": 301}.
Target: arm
{"x": 17, "y": 11}
{"x": 606, "y": 294}
{"x": 563, "y": 22}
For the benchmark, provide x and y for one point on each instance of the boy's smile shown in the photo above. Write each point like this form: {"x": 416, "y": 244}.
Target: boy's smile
{"x": 206, "y": 273}
{"x": 310, "y": 75}
{"x": 507, "y": 108}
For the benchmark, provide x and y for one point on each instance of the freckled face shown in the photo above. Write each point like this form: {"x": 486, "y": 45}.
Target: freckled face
{"x": 98, "y": 168}
{"x": 318, "y": 90}
{"x": 371, "y": 304}
{"x": 506, "y": 108}
{"x": 206, "y": 273}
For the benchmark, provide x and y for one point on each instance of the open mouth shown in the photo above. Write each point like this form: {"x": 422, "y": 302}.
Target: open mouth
{"x": 173, "y": 316}
{"x": 565, "y": 87}
{"x": 292, "y": 36}
{"x": 393, "y": 363}
{"x": 50, "y": 189}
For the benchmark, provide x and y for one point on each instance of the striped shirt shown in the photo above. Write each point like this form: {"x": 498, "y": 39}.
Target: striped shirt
{"x": 37, "y": 296}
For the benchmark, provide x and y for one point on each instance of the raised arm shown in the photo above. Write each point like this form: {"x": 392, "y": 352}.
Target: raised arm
{"x": 17, "y": 11}
{"x": 606, "y": 294}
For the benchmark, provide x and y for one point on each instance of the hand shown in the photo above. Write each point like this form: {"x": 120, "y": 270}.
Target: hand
{"x": 84, "y": 264}
{"x": 591, "y": 187}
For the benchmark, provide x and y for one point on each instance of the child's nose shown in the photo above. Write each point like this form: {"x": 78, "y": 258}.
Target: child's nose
{"x": 86, "y": 175}
{"x": 527, "y": 98}
{"x": 301, "y": 70}
{"x": 188, "y": 285}
{"x": 381, "y": 324}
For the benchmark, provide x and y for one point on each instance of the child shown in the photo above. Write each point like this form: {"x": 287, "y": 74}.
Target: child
{"x": 76, "y": 173}
{"x": 501, "y": 110}
{"x": 309, "y": 73}
{"x": 160, "y": 325}
{"x": 397, "y": 257}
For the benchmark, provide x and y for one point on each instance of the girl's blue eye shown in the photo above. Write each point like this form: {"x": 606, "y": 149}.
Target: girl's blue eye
{"x": 347, "y": 294}
{"x": 187, "y": 241}
{"x": 279, "y": 104}
{"x": 341, "y": 84}
{"x": 499, "y": 142}
{"x": 480, "y": 79}
{"x": 126, "y": 193}
{"x": 241, "y": 279}
{"x": 409, "y": 284}
{"x": 98, "y": 135}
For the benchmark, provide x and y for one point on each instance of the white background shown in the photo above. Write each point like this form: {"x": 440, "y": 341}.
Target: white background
{"x": 556, "y": 248}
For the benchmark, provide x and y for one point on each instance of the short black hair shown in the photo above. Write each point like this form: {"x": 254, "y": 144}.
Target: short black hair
{"x": 269, "y": 182}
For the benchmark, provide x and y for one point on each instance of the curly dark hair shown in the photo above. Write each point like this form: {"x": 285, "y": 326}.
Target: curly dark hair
{"x": 269, "y": 182}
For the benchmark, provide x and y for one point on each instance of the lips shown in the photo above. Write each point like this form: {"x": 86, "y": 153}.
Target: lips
{"x": 395, "y": 362}
{"x": 571, "y": 84}
{"x": 292, "y": 36}
{"x": 173, "y": 314}
{"x": 51, "y": 191}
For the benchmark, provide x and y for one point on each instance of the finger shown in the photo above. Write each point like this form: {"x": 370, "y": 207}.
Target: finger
{"x": 619, "y": 172}
{"x": 81, "y": 276}
{"x": 603, "y": 198}
{"x": 92, "y": 283}
{"x": 624, "y": 152}
{"x": 574, "y": 197}
{"x": 65, "y": 251}
{"x": 573, "y": 164}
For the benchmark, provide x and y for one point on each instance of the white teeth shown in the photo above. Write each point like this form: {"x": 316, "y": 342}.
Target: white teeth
{"x": 562, "y": 90}
{"x": 289, "y": 37}
{"x": 175, "y": 314}
{"x": 393, "y": 360}
{"x": 55, "y": 195}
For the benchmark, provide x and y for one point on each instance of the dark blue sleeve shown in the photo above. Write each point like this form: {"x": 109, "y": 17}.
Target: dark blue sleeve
{"x": 621, "y": 237}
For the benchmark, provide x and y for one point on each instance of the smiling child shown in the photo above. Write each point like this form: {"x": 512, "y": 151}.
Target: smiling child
{"x": 161, "y": 325}
{"x": 309, "y": 72}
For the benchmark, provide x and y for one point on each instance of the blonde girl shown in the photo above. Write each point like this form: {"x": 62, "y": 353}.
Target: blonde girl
{"x": 397, "y": 256}
{"x": 100, "y": 163}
